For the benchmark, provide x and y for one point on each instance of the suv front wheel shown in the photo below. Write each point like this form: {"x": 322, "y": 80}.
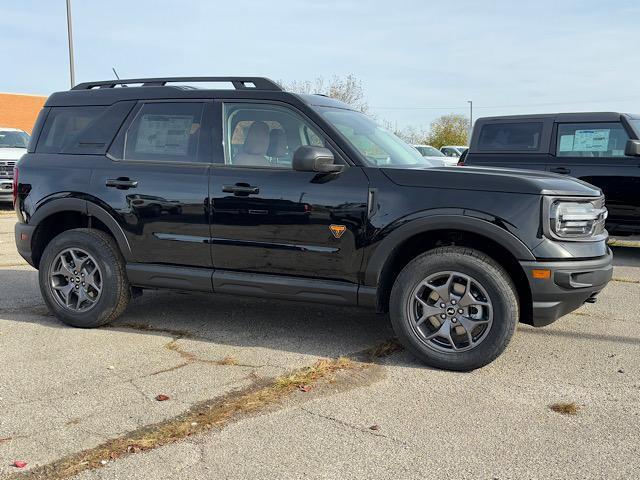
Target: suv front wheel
{"x": 82, "y": 278}
{"x": 454, "y": 308}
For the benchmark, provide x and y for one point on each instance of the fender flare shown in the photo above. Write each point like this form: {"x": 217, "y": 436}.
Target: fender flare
{"x": 85, "y": 207}
{"x": 386, "y": 249}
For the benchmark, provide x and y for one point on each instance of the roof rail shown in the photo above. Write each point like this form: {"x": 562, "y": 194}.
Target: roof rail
{"x": 239, "y": 83}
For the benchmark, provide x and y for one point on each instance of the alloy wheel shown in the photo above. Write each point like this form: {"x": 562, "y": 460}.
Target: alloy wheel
{"x": 450, "y": 312}
{"x": 75, "y": 280}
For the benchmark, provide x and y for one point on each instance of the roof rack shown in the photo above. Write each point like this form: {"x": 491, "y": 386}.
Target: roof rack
{"x": 239, "y": 83}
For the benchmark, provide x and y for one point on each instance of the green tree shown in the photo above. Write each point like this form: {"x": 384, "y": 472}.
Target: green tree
{"x": 452, "y": 129}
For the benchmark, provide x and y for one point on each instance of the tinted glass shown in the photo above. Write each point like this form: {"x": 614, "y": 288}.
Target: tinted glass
{"x": 63, "y": 125}
{"x": 591, "y": 140}
{"x": 510, "y": 136}
{"x": 265, "y": 135}
{"x": 165, "y": 132}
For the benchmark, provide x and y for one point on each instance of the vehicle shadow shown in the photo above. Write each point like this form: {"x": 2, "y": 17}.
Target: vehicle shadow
{"x": 626, "y": 256}
{"x": 295, "y": 327}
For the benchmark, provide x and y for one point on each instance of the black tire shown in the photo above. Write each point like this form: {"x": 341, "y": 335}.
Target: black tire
{"x": 492, "y": 277}
{"x": 115, "y": 293}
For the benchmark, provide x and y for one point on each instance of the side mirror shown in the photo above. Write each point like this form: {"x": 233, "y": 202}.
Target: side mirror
{"x": 314, "y": 159}
{"x": 632, "y": 149}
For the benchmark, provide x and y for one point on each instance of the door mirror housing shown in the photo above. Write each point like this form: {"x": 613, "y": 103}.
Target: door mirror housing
{"x": 314, "y": 159}
{"x": 632, "y": 149}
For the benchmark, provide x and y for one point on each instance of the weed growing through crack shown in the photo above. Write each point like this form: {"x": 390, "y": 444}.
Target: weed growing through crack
{"x": 198, "y": 419}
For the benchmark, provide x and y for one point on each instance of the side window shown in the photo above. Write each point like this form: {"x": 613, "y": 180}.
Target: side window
{"x": 164, "y": 132}
{"x": 260, "y": 135}
{"x": 591, "y": 140}
{"x": 64, "y": 124}
{"x": 519, "y": 137}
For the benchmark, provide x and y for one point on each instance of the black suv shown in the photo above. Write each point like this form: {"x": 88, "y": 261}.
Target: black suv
{"x": 256, "y": 191}
{"x": 600, "y": 148}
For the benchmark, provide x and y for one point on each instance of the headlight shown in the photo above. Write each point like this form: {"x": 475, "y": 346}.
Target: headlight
{"x": 571, "y": 219}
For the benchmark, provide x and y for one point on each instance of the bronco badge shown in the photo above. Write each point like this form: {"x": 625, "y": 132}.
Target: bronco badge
{"x": 337, "y": 230}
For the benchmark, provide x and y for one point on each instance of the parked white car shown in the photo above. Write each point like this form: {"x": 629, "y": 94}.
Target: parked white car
{"x": 435, "y": 156}
{"x": 453, "y": 151}
{"x": 13, "y": 144}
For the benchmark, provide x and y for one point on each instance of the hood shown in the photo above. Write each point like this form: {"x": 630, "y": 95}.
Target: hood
{"x": 532, "y": 182}
{"x": 12, "y": 153}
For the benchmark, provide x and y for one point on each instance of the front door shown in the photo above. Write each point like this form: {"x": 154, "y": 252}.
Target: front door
{"x": 594, "y": 152}
{"x": 268, "y": 218}
{"x": 155, "y": 181}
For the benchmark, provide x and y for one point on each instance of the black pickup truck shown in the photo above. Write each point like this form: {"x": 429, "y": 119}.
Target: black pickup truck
{"x": 252, "y": 190}
{"x": 600, "y": 148}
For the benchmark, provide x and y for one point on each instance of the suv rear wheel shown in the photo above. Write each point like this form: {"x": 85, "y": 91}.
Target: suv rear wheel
{"x": 454, "y": 308}
{"x": 82, "y": 278}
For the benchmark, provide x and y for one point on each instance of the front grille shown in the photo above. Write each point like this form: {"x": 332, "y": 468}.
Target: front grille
{"x": 6, "y": 168}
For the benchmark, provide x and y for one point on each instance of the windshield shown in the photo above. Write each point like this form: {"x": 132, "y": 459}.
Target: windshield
{"x": 378, "y": 146}
{"x": 13, "y": 139}
{"x": 429, "y": 151}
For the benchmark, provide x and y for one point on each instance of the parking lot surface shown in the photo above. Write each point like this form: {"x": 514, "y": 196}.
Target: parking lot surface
{"x": 65, "y": 391}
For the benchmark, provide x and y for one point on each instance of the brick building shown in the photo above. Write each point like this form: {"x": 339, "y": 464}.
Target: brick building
{"x": 19, "y": 110}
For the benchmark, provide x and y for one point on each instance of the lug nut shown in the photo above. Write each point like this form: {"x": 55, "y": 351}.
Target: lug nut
{"x": 453, "y": 302}
{"x": 454, "y": 320}
{"x": 442, "y": 305}
{"x": 460, "y": 311}
{"x": 83, "y": 284}
{"x": 442, "y": 315}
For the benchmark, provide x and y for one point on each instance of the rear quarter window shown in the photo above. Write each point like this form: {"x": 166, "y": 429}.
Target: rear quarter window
{"x": 514, "y": 137}
{"x": 63, "y": 124}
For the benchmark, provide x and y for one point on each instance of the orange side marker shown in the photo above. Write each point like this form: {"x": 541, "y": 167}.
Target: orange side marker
{"x": 541, "y": 274}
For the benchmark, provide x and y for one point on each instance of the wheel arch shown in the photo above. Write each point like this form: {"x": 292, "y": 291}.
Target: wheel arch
{"x": 405, "y": 243}
{"x": 58, "y": 215}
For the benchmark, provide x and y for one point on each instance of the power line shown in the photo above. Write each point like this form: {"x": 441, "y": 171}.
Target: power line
{"x": 548, "y": 104}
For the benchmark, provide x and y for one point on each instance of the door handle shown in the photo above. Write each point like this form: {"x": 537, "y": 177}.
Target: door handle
{"x": 241, "y": 189}
{"x": 121, "y": 183}
{"x": 561, "y": 170}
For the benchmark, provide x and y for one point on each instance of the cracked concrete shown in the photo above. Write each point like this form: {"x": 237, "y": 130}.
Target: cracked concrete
{"x": 58, "y": 394}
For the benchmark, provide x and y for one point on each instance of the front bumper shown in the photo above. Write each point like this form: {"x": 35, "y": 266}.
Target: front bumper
{"x": 571, "y": 283}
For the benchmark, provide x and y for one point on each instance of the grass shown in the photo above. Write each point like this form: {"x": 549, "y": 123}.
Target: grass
{"x": 570, "y": 408}
{"x": 200, "y": 418}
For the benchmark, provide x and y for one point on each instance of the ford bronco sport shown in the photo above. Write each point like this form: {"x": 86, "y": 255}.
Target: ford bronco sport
{"x": 252, "y": 190}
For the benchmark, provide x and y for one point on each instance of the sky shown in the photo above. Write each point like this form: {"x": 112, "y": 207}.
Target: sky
{"x": 417, "y": 60}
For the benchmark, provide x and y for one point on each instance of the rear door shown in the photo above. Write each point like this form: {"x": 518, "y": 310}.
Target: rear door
{"x": 511, "y": 143}
{"x": 155, "y": 182}
{"x": 271, "y": 219}
{"x": 594, "y": 152}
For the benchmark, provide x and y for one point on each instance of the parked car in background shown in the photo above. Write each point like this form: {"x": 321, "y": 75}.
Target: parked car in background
{"x": 13, "y": 144}
{"x": 453, "y": 151}
{"x": 600, "y": 148}
{"x": 435, "y": 156}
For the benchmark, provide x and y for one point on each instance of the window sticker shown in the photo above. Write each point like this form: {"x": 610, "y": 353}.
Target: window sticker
{"x": 164, "y": 134}
{"x": 566, "y": 143}
{"x": 596, "y": 140}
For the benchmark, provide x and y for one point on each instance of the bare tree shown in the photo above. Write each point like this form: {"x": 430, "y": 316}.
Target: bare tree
{"x": 449, "y": 129}
{"x": 346, "y": 89}
{"x": 413, "y": 135}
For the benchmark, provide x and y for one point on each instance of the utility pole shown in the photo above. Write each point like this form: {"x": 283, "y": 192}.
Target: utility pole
{"x": 70, "y": 37}
{"x": 470, "y": 102}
